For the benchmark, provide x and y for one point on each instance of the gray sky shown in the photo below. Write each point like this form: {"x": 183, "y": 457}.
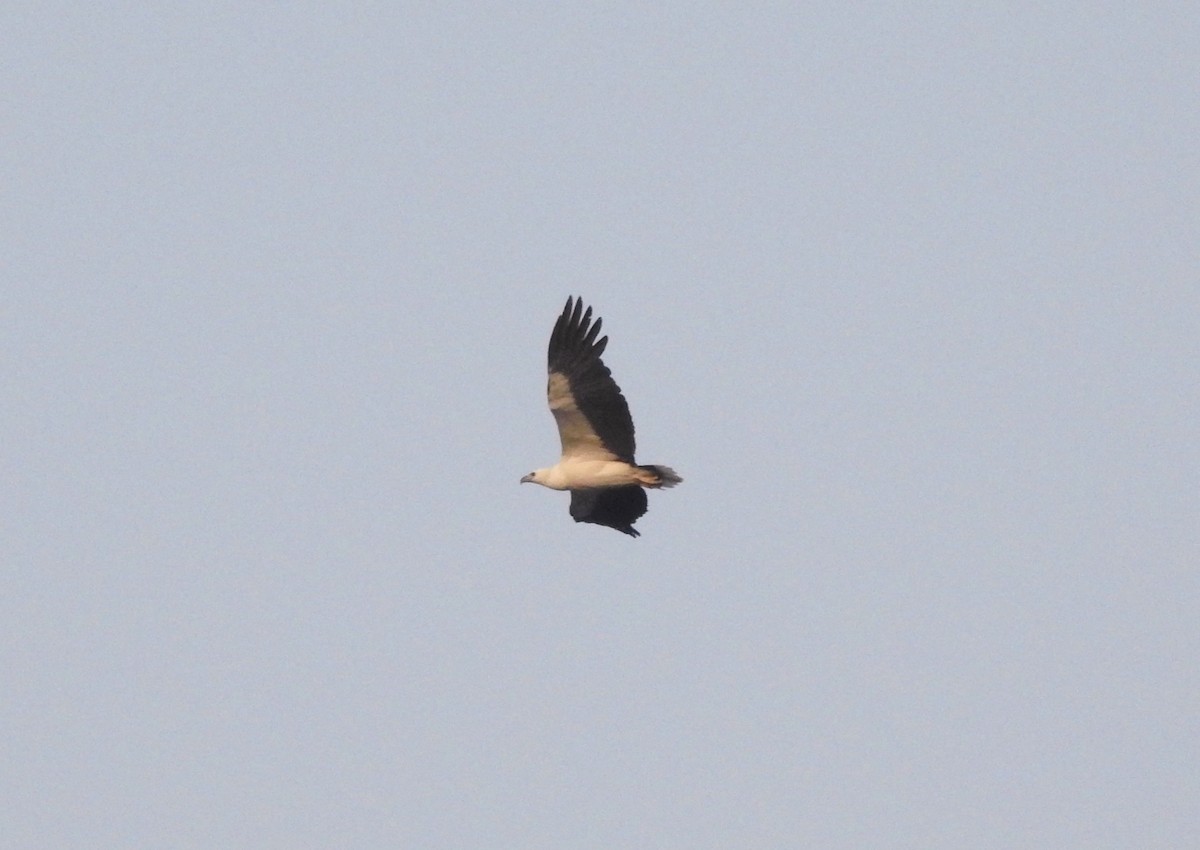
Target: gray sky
{"x": 909, "y": 296}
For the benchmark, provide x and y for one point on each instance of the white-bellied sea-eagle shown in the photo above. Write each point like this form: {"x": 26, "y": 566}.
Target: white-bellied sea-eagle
{"x": 595, "y": 429}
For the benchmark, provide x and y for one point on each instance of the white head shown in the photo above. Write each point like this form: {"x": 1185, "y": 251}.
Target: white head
{"x": 538, "y": 476}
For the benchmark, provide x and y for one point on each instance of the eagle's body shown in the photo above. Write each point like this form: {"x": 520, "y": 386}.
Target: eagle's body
{"x": 580, "y": 474}
{"x": 595, "y": 429}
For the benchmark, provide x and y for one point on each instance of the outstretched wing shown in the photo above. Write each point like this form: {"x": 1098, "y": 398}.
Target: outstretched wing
{"x": 616, "y": 507}
{"x": 593, "y": 418}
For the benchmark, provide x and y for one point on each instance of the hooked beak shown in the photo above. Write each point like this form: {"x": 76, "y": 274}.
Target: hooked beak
{"x": 527, "y": 478}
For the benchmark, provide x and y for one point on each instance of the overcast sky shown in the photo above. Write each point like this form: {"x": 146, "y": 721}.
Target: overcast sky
{"x": 908, "y": 294}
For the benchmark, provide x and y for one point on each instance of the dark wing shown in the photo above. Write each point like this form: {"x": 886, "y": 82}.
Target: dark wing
{"x": 616, "y": 507}
{"x": 593, "y": 418}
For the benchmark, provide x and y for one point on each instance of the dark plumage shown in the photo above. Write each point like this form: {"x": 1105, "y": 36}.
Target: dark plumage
{"x": 575, "y": 352}
{"x": 616, "y": 507}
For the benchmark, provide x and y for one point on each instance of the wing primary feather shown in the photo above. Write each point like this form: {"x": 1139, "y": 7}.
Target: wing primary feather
{"x": 574, "y": 352}
{"x": 615, "y": 507}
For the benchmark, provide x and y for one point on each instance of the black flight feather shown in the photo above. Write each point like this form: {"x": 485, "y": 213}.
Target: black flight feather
{"x": 575, "y": 353}
{"x": 615, "y": 507}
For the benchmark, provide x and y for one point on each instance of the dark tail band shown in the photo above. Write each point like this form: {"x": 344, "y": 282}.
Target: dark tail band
{"x": 666, "y": 476}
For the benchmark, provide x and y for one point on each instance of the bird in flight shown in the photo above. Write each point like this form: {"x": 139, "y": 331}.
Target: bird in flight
{"x": 595, "y": 429}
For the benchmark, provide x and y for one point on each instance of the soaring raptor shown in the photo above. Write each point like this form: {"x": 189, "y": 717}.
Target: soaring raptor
{"x": 595, "y": 429}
